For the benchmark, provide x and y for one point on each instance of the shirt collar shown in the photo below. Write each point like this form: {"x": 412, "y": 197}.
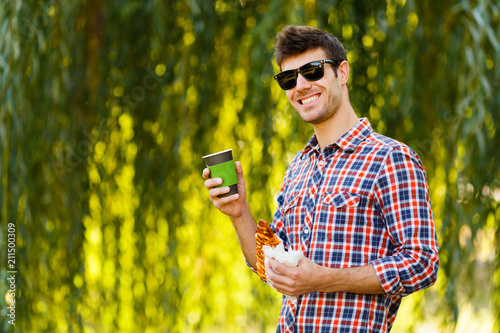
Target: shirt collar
{"x": 347, "y": 142}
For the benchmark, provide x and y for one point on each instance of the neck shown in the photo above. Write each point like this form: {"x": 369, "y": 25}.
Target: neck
{"x": 331, "y": 130}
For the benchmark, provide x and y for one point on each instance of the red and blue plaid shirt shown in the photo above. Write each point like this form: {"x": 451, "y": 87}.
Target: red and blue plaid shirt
{"x": 363, "y": 200}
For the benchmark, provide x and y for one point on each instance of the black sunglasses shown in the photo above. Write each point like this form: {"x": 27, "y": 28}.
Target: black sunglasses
{"x": 312, "y": 71}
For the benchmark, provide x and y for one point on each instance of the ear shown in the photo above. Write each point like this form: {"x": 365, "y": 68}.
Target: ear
{"x": 343, "y": 72}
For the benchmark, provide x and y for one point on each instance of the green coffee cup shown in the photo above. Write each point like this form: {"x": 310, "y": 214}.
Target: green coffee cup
{"x": 221, "y": 165}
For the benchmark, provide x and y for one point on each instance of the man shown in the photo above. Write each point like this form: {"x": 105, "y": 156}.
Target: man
{"x": 355, "y": 203}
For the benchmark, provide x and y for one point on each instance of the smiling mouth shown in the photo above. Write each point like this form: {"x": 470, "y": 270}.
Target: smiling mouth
{"x": 308, "y": 100}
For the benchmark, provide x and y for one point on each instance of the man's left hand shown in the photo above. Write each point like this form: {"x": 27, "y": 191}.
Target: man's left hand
{"x": 294, "y": 281}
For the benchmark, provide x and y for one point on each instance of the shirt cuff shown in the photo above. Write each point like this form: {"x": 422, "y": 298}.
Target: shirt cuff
{"x": 388, "y": 275}
{"x": 251, "y": 267}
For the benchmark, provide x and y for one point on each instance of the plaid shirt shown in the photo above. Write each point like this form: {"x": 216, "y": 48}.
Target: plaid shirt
{"x": 363, "y": 200}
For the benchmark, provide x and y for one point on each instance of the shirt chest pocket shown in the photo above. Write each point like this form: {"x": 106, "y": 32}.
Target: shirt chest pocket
{"x": 341, "y": 213}
{"x": 342, "y": 199}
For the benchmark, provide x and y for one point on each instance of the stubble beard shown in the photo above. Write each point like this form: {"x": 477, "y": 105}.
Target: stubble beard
{"x": 328, "y": 110}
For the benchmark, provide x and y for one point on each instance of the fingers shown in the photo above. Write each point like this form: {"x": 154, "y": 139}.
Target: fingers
{"x": 215, "y": 192}
{"x": 278, "y": 267}
{"x": 273, "y": 273}
{"x": 215, "y": 189}
{"x": 206, "y": 173}
{"x": 212, "y": 182}
{"x": 280, "y": 280}
{"x": 276, "y": 277}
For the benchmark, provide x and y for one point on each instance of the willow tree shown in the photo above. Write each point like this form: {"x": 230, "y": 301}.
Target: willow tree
{"x": 107, "y": 108}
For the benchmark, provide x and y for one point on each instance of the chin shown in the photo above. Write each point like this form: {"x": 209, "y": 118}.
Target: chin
{"x": 314, "y": 119}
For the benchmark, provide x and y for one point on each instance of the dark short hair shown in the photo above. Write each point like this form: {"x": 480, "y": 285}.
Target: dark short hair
{"x": 295, "y": 40}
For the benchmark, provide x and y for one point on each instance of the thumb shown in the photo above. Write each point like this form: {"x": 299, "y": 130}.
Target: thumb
{"x": 239, "y": 169}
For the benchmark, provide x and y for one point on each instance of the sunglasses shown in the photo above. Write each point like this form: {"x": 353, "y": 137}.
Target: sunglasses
{"x": 312, "y": 71}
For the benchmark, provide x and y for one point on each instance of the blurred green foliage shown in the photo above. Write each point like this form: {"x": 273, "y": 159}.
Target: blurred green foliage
{"x": 107, "y": 107}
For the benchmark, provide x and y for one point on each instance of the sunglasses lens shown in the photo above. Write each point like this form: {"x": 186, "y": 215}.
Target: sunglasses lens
{"x": 287, "y": 80}
{"x": 312, "y": 71}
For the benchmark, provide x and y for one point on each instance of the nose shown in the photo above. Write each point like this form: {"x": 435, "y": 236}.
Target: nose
{"x": 302, "y": 83}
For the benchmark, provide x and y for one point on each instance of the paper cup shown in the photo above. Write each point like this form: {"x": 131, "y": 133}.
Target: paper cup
{"x": 221, "y": 165}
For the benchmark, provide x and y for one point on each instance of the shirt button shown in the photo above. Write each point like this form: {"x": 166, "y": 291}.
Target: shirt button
{"x": 306, "y": 231}
{"x": 322, "y": 162}
{"x": 311, "y": 196}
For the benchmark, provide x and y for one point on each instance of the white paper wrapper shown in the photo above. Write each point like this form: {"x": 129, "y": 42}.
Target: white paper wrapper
{"x": 278, "y": 253}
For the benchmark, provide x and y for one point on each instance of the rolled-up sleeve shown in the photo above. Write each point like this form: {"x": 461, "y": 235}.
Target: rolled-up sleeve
{"x": 402, "y": 193}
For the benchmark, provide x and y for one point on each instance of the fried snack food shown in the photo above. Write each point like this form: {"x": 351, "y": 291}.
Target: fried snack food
{"x": 264, "y": 236}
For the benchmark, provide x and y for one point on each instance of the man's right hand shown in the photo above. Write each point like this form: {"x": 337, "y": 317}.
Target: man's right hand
{"x": 233, "y": 205}
{"x": 236, "y": 207}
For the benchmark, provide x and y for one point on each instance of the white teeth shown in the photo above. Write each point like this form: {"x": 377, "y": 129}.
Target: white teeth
{"x": 309, "y": 100}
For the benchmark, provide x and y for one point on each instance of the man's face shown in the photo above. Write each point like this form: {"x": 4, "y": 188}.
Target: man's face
{"x": 314, "y": 101}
